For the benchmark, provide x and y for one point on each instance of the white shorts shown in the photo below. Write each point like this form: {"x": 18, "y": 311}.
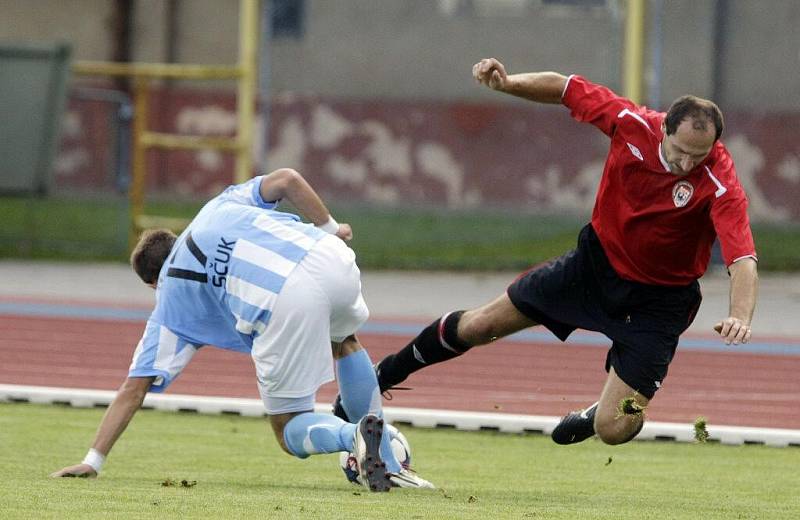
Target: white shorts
{"x": 320, "y": 302}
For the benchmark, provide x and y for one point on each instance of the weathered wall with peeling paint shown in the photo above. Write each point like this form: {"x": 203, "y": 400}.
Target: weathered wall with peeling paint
{"x": 454, "y": 155}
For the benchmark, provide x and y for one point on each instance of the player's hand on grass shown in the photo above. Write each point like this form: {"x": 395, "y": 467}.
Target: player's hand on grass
{"x": 78, "y": 470}
{"x": 733, "y": 330}
{"x": 345, "y": 231}
{"x": 491, "y": 73}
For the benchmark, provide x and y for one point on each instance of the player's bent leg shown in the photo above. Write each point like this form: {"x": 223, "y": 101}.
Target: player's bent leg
{"x": 619, "y": 416}
{"x": 494, "y": 320}
{"x": 358, "y": 385}
{"x": 306, "y": 433}
{"x": 451, "y": 336}
{"x": 278, "y": 423}
{"x": 358, "y": 392}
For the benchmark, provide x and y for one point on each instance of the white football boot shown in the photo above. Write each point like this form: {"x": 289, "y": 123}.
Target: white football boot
{"x": 408, "y": 478}
{"x": 366, "y": 448}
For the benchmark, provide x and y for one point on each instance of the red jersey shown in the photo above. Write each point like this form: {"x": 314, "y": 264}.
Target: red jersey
{"x": 657, "y": 227}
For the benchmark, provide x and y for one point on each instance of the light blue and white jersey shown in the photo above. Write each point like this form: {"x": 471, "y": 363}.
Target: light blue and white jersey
{"x": 222, "y": 278}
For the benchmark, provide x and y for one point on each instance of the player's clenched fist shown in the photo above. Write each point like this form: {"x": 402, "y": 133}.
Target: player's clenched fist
{"x": 491, "y": 73}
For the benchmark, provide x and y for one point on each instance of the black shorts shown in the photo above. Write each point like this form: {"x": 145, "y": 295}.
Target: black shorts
{"x": 581, "y": 290}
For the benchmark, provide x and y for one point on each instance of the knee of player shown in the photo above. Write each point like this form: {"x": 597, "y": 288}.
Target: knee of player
{"x": 617, "y": 430}
{"x": 282, "y": 442}
{"x": 136, "y": 387}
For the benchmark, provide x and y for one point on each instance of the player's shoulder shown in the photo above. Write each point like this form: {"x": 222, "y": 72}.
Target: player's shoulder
{"x": 720, "y": 162}
{"x": 638, "y": 119}
{"x": 720, "y": 168}
{"x": 580, "y": 90}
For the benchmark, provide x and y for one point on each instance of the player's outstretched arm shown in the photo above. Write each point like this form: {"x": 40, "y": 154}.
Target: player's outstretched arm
{"x": 744, "y": 290}
{"x": 286, "y": 183}
{"x": 542, "y": 87}
{"x": 125, "y": 405}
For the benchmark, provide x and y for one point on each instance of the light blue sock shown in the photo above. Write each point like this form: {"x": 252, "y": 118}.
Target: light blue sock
{"x": 310, "y": 433}
{"x": 358, "y": 387}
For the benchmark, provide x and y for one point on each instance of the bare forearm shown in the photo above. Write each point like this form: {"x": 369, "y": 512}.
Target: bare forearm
{"x": 125, "y": 405}
{"x": 286, "y": 183}
{"x": 542, "y": 87}
{"x": 744, "y": 289}
{"x": 307, "y": 202}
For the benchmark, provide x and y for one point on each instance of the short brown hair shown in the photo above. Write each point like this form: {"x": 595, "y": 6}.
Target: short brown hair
{"x": 699, "y": 110}
{"x": 151, "y": 252}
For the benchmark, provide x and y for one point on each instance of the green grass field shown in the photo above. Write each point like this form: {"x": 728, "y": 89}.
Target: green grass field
{"x": 241, "y": 473}
{"x": 413, "y": 238}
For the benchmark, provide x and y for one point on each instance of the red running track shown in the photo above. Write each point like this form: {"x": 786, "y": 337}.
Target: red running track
{"x": 729, "y": 388}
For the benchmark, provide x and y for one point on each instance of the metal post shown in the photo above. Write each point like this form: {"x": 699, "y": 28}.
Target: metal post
{"x": 245, "y": 102}
{"x": 656, "y": 54}
{"x": 634, "y": 51}
{"x": 719, "y": 52}
{"x": 264, "y": 71}
{"x": 139, "y": 170}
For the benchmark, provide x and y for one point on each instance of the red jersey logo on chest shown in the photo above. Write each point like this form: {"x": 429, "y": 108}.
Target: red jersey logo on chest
{"x": 681, "y": 193}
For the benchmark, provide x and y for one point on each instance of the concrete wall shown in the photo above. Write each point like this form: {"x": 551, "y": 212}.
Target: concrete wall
{"x": 83, "y": 23}
{"x": 424, "y": 49}
{"x": 414, "y": 49}
{"x": 762, "y": 58}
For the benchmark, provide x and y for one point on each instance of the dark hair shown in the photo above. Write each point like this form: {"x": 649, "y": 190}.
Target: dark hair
{"x": 699, "y": 110}
{"x": 151, "y": 252}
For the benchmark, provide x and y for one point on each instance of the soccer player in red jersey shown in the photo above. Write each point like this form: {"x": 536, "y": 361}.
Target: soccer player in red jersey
{"x": 668, "y": 189}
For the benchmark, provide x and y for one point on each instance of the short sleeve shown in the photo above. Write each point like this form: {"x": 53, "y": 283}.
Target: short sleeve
{"x": 729, "y": 213}
{"x": 248, "y": 194}
{"x": 595, "y": 104}
{"x": 160, "y": 354}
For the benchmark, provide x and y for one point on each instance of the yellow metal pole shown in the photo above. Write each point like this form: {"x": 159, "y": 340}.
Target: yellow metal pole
{"x": 634, "y": 51}
{"x": 156, "y": 70}
{"x": 245, "y": 100}
{"x": 138, "y": 167}
{"x": 188, "y": 142}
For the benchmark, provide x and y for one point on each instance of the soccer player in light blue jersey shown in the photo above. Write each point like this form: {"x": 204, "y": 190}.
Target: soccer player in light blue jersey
{"x": 246, "y": 277}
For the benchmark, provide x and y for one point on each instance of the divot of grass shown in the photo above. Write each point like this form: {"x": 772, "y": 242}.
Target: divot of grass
{"x": 168, "y": 482}
{"x": 629, "y": 406}
{"x": 700, "y": 430}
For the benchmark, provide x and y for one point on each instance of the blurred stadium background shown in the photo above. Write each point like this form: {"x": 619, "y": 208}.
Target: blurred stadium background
{"x": 373, "y": 101}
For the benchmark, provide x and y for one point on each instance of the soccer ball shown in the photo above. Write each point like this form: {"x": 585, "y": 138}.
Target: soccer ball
{"x": 400, "y": 447}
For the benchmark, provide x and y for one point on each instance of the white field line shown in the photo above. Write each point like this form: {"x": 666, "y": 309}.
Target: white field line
{"x": 419, "y": 417}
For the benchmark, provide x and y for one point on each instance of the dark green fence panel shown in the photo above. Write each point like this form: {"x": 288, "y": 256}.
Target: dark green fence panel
{"x": 32, "y": 94}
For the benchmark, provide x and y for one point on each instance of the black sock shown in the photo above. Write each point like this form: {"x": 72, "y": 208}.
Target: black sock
{"x": 426, "y": 349}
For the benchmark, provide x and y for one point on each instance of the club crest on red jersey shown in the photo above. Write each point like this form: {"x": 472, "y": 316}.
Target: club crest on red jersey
{"x": 681, "y": 193}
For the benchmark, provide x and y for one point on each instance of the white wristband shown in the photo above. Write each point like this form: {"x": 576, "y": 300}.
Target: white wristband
{"x": 95, "y": 459}
{"x": 331, "y": 226}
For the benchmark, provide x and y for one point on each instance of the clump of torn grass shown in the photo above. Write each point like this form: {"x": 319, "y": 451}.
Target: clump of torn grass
{"x": 700, "y": 430}
{"x": 183, "y": 483}
{"x": 629, "y": 406}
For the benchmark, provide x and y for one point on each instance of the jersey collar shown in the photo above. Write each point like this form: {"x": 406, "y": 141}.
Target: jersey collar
{"x": 661, "y": 158}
